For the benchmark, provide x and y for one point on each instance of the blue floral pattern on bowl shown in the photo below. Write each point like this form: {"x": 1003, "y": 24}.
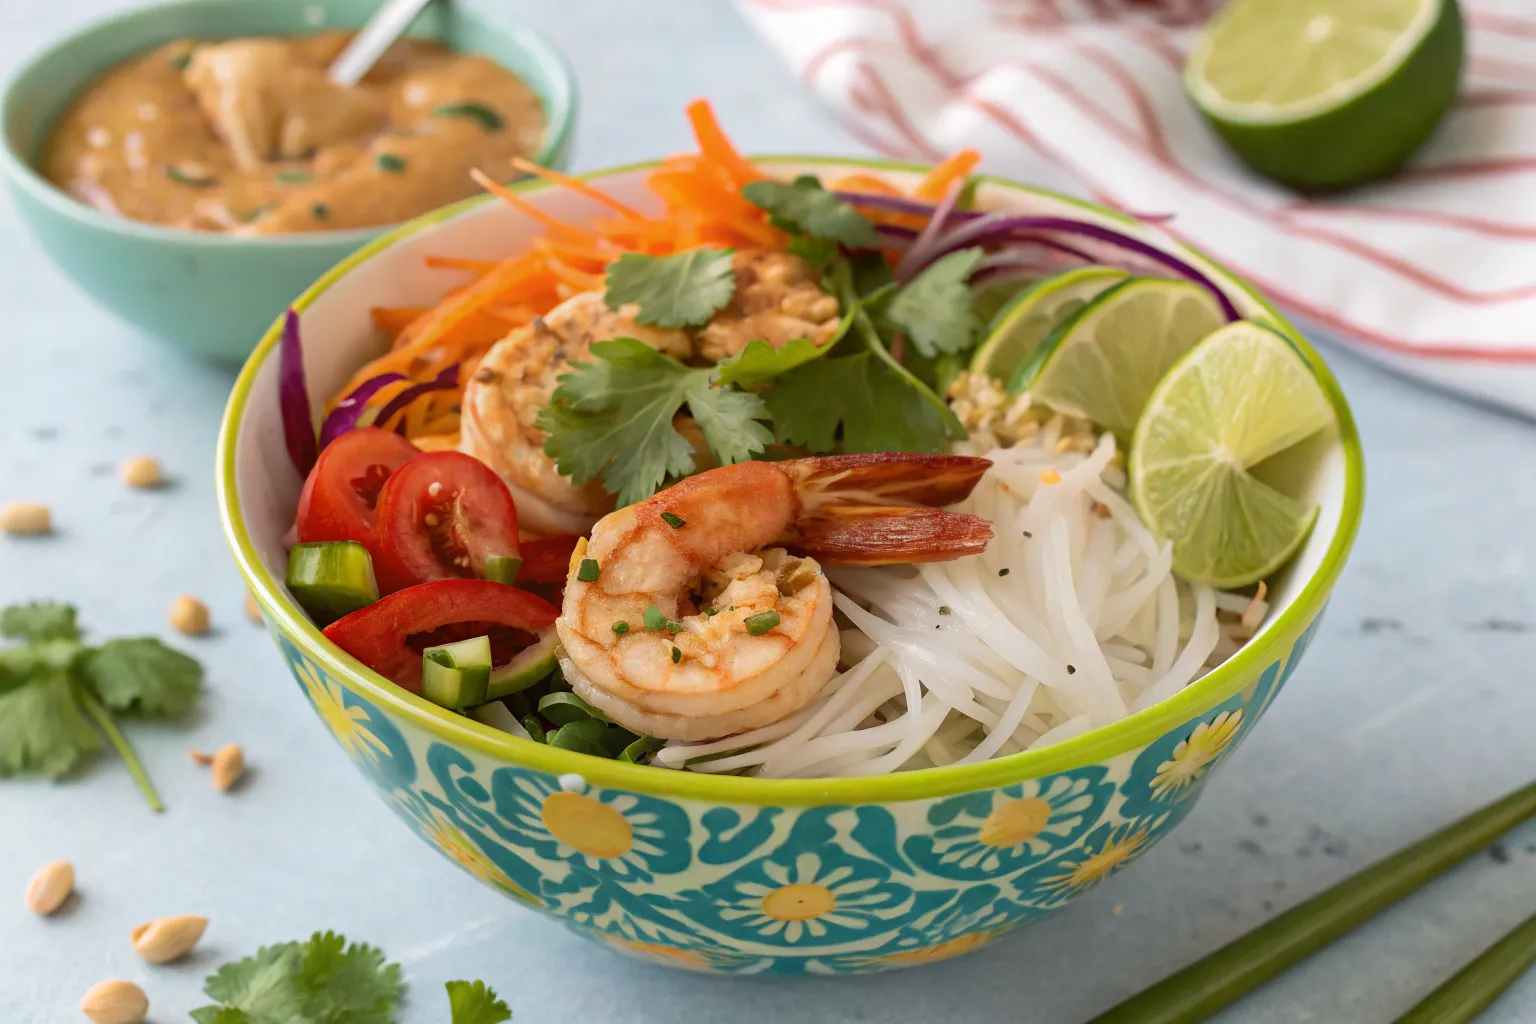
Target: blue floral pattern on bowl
{"x": 818, "y": 889}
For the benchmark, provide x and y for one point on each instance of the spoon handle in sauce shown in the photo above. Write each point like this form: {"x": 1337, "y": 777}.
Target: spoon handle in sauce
{"x": 375, "y": 37}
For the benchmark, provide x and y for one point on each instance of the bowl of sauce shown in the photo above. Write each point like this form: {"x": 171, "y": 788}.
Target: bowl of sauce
{"x": 193, "y": 168}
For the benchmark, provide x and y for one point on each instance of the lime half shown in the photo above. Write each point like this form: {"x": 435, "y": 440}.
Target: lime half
{"x": 1102, "y": 363}
{"x": 1239, "y": 397}
{"x": 1321, "y": 94}
{"x": 1031, "y": 315}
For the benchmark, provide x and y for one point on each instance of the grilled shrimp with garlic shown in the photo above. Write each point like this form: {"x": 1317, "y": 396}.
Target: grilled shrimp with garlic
{"x": 777, "y": 299}
{"x": 703, "y": 610}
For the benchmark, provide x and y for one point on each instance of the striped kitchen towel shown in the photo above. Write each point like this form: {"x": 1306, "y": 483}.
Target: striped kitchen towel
{"x": 1433, "y": 272}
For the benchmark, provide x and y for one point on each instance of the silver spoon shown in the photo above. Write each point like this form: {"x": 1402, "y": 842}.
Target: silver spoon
{"x": 375, "y": 37}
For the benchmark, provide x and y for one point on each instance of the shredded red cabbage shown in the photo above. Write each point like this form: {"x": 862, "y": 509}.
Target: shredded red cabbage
{"x": 351, "y": 408}
{"x": 445, "y": 381}
{"x": 293, "y": 397}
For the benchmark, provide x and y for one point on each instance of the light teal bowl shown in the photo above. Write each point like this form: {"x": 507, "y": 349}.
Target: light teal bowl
{"x": 741, "y": 875}
{"x": 211, "y": 295}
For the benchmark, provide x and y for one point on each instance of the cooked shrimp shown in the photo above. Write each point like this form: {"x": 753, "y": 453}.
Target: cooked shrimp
{"x": 776, "y": 299}
{"x": 514, "y": 382}
{"x": 710, "y": 614}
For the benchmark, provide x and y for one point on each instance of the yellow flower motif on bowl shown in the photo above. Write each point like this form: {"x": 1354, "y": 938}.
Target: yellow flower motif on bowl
{"x": 660, "y": 953}
{"x": 587, "y": 825}
{"x": 454, "y": 844}
{"x": 933, "y": 954}
{"x": 1118, "y": 848}
{"x": 1194, "y": 755}
{"x": 348, "y": 725}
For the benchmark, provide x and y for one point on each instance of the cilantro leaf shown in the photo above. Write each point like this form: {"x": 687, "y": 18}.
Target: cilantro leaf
{"x": 612, "y": 418}
{"x": 43, "y": 727}
{"x": 876, "y": 407}
{"x": 934, "y": 309}
{"x": 804, "y": 207}
{"x": 39, "y": 621}
{"x": 760, "y": 362}
{"x": 475, "y": 1002}
{"x": 681, "y": 290}
{"x": 818, "y": 252}
{"x": 144, "y": 675}
{"x": 321, "y": 981}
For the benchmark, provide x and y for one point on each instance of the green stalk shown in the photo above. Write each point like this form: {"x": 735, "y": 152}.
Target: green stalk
{"x": 120, "y": 744}
{"x": 1477, "y": 985}
{"x": 1207, "y": 986}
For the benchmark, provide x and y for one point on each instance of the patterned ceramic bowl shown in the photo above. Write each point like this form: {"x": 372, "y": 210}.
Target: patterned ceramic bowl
{"x": 740, "y": 875}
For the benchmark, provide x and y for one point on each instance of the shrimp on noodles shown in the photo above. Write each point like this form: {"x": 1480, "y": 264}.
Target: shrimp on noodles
{"x": 703, "y": 611}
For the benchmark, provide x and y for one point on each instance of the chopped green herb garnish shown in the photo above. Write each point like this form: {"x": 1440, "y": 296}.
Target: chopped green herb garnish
{"x": 654, "y": 620}
{"x": 945, "y": 609}
{"x": 681, "y": 290}
{"x": 587, "y": 571}
{"x": 1004, "y": 572}
{"x": 479, "y": 112}
{"x": 673, "y": 626}
{"x": 189, "y": 178}
{"x": 621, "y": 628}
{"x": 934, "y": 309}
{"x": 293, "y": 177}
{"x": 761, "y": 623}
{"x": 258, "y": 212}
{"x": 390, "y": 162}
{"x": 324, "y": 979}
{"x": 320, "y": 211}
{"x": 612, "y": 418}
{"x": 673, "y": 520}
{"x": 711, "y": 612}
{"x": 804, "y": 207}
{"x": 677, "y": 655}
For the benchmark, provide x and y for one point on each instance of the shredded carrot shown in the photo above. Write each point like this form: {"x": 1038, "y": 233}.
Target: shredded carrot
{"x": 700, "y": 204}
{"x": 937, "y": 182}
{"x": 578, "y": 186}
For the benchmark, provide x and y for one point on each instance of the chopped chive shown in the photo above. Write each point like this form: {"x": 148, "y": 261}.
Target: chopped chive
{"x": 1003, "y": 572}
{"x": 320, "y": 211}
{"x": 389, "y": 162}
{"x": 621, "y": 628}
{"x": 654, "y": 620}
{"x": 761, "y": 623}
{"x": 502, "y": 568}
{"x": 677, "y": 655}
{"x": 488, "y": 118}
{"x": 293, "y": 177}
{"x": 672, "y": 519}
{"x": 588, "y": 572}
{"x": 945, "y": 609}
{"x": 673, "y": 626}
{"x": 189, "y": 178}
{"x": 710, "y": 612}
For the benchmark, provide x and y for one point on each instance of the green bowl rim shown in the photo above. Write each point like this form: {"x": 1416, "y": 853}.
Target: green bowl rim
{"x": 560, "y": 103}
{"x": 1219, "y": 685}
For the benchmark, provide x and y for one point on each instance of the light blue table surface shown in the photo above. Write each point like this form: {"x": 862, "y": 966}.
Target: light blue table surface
{"x": 1416, "y": 704}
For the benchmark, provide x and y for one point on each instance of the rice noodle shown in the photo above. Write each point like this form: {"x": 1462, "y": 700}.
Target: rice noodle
{"x": 1071, "y": 619}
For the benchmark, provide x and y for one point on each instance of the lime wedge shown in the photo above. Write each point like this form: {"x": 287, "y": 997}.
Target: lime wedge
{"x": 1321, "y": 94}
{"x": 1032, "y": 314}
{"x": 1240, "y": 396}
{"x": 1102, "y": 363}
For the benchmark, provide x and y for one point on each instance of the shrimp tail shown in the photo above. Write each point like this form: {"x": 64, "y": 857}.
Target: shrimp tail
{"x": 884, "y": 478}
{"x": 888, "y": 535}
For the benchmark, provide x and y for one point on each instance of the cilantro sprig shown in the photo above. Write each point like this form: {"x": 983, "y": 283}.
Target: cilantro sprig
{"x": 681, "y": 290}
{"x": 58, "y": 697}
{"x": 935, "y": 310}
{"x": 611, "y": 418}
{"x": 328, "y": 980}
{"x": 803, "y": 207}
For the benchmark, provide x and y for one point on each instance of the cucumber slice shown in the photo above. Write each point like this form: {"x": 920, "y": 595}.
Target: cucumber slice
{"x": 455, "y": 675}
{"x": 331, "y": 579}
{"x": 527, "y": 667}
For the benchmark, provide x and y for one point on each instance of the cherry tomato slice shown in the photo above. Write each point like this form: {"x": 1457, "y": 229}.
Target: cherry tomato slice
{"x": 440, "y": 515}
{"x": 342, "y": 489}
{"x": 389, "y": 635}
{"x": 548, "y": 559}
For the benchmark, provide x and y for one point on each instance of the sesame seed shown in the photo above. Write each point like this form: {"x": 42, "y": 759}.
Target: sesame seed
{"x": 1004, "y": 572}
